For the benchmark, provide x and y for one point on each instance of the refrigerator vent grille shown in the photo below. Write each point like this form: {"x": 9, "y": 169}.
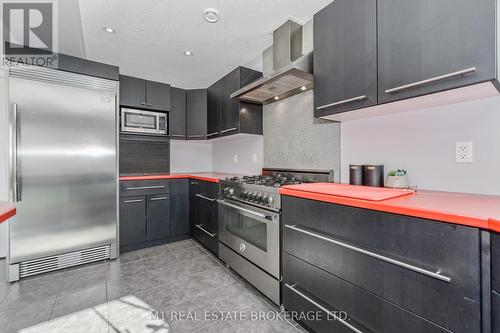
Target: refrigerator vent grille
{"x": 64, "y": 78}
{"x": 47, "y": 264}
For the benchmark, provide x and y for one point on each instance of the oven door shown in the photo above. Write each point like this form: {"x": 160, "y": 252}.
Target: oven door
{"x": 252, "y": 232}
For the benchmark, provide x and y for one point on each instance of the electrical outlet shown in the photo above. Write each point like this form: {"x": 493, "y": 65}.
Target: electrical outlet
{"x": 235, "y": 158}
{"x": 254, "y": 157}
{"x": 463, "y": 152}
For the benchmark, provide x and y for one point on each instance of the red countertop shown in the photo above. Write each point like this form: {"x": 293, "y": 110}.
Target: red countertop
{"x": 7, "y": 210}
{"x": 206, "y": 176}
{"x": 475, "y": 210}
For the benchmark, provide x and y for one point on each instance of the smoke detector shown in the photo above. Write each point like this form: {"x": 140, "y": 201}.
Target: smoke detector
{"x": 211, "y": 15}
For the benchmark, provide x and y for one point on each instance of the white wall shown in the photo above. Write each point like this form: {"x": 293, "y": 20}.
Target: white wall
{"x": 223, "y": 155}
{"x": 190, "y": 156}
{"x": 423, "y": 142}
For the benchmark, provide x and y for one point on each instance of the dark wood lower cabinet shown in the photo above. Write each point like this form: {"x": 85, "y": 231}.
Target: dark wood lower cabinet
{"x": 158, "y": 217}
{"x": 495, "y": 312}
{"x": 132, "y": 220}
{"x": 495, "y": 261}
{"x": 153, "y": 212}
{"x": 204, "y": 214}
{"x": 429, "y": 268}
{"x": 308, "y": 288}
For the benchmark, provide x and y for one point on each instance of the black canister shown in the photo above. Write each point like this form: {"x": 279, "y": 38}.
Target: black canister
{"x": 356, "y": 174}
{"x": 374, "y": 175}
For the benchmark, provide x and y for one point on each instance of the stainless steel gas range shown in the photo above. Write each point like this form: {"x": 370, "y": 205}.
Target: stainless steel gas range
{"x": 249, "y": 224}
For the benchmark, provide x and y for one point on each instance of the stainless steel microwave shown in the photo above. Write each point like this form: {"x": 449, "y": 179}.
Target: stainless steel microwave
{"x": 143, "y": 122}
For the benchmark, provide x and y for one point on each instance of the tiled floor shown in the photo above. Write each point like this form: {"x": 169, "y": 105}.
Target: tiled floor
{"x": 186, "y": 287}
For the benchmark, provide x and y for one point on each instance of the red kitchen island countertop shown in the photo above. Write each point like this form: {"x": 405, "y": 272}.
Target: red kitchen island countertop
{"x": 207, "y": 176}
{"x": 7, "y": 210}
{"x": 475, "y": 210}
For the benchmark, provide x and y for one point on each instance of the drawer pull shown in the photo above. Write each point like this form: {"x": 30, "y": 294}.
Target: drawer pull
{"x": 435, "y": 275}
{"x": 204, "y": 197}
{"x": 431, "y": 80}
{"x": 145, "y": 188}
{"x": 345, "y": 101}
{"x": 159, "y": 198}
{"x": 212, "y": 134}
{"x": 131, "y": 201}
{"x": 205, "y": 230}
{"x": 177, "y": 135}
{"x": 229, "y": 130}
{"x": 196, "y": 136}
{"x": 343, "y": 322}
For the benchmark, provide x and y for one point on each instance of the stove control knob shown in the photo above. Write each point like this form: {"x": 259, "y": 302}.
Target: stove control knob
{"x": 259, "y": 197}
{"x": 266, "y": 200}
{"x": 230, "y": 191}
{"x": 253, "y": 196}
{"x": 244, "y": 195}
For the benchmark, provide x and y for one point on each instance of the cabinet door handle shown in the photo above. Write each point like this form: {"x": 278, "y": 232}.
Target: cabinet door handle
{"x": 345, "y": 101}
{"x": 212, "y": 134}
{"x": 158, "y": 198}
{"x": 144, "y": 188}
{"x": 229, "y": 129}
{"x": 16, "y": 190}
{"x": 196, "y": 136}
{"x": 204, "y": 197}
{"x": 194, "y": 183}
{"x": 307, "y": 298}
{"x": 149, "y": 104}
{"x": 420, "y": 270}
{"x": 431, "y": 80}
{"x": 204, "y": 230}
{"x": 143, "y": 103}
{"x": 177, "y": 135}
{"x": 131, "y": 201}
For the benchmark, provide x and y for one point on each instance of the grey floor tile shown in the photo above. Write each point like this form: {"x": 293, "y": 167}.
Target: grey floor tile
{"x": 172, "y": 273}
{"x": 188, "y": 254}
{"x": 80, "y": 300}
{"x": 28, "y": 315}
{"x": 124, "y": 272}
{"x": 159, "y": 297}
{"x": 129, "y": 287}
{"x": 89, "y": 320}
{"x": 159, "y": 261}
{"x": 182, "y": 245}
{"x": 154, "y": 251}
{"x": 233, "y": 297}
{"x": 82, "y": 278}
{"x": 220, "y": 326}
{"x": 199, "y": 265}
{"x": 132, "y": 315}
{"x": 192, "y": 315}
{"x": 127, "y": 257}
{"x": 29, "y": 290}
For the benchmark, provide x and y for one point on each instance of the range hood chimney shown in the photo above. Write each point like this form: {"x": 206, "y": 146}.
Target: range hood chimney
{"x": 291, "y": 72}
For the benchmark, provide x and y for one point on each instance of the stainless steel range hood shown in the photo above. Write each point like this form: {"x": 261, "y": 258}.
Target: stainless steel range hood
{"x": 291, "y": 72}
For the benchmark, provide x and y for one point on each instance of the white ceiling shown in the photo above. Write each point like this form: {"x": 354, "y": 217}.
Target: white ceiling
{"x": 151, "y": 35}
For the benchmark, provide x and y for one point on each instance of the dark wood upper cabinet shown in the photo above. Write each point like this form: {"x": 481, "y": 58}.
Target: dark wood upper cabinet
{"x": 140, "y": 93}
{"x": 177, "y": 115}
{"x": 214, "y": 109}
{"x": 157, "y": 96}
{"x": 196, "y": 114}
{"x": 226, "y": 115}
{"x": 371, "y": 52}
{"x": 345, "y": 51}
{"x": 132, "y": 91}
{"x": 435, "y": 41}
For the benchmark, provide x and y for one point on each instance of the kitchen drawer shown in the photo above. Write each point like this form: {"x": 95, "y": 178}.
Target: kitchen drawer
{"x": 207, "y": 238}
{"x": 143, "y": 187}
{"x": 390, "y": 256}
{"x": 495, "y": 312}
{"x": 495, "y": 261}
{"x": 307, "y": 288}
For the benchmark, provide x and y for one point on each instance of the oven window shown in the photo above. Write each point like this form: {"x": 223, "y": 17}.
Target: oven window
{"x": 247, "y": 228}
{"x": 140, "y": 121}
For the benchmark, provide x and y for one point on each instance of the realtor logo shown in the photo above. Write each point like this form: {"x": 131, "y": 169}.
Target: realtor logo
{"x": 29, "y": 35}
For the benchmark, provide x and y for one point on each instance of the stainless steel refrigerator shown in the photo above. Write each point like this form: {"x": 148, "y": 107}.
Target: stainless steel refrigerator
{"x": 63, "y": 171}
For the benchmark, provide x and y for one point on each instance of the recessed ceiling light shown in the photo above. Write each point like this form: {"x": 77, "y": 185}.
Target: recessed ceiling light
{"x": 109, "y": 30}
{"x": 211, "y": 15}
{"x": 303, "y": 88}
{"x": 188, "y": 53}
{"x": 276, "y": 97}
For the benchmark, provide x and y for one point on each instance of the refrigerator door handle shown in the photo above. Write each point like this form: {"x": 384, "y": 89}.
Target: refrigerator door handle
{"x": 15, "y": 169}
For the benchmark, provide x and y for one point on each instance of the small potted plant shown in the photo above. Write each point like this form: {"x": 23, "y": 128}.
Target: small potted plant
{"x": 397, "y": 179}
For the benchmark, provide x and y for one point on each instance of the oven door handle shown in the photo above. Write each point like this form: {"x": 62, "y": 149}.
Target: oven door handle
{"x": 249, "y": 211}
